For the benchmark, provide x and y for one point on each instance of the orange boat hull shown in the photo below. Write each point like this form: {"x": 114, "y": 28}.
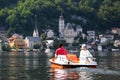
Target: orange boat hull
{"x": 74, "y": 59}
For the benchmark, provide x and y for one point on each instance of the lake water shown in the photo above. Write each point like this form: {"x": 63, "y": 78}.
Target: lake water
{"x": 36, "y": 66}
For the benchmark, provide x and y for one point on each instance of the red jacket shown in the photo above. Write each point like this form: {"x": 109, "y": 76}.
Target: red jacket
{"x": 61, "y": 51}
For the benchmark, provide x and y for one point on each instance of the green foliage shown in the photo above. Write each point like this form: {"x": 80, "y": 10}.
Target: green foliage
{"x": 43, "y": 36}
{"x": 57, "y": 42}
{"x": 19, "y": 14}
{"x": 37, "y": 46}
{"x": 116, "y": 37}
{"x": 6, "y": 47}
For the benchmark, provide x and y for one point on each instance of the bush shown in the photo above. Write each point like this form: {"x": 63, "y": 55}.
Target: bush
{"x": 37, "y": 46}
{"x": 6, "y": 48}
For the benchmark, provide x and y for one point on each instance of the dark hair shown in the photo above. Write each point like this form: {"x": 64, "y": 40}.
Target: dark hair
{"x": 60, "y": 45}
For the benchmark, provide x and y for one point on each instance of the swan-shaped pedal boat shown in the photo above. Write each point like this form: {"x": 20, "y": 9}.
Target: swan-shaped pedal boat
{"x": 62, "y": 62}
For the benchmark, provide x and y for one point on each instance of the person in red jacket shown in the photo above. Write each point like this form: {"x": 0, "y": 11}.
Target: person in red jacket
{"x": 61, "y": 55}
{"x": 61, "y": 51}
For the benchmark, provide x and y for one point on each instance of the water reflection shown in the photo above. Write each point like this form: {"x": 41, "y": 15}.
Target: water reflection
{"x": 70, "y": 74}
{"x": 108, "y": 68}
{"x": 63, "y": 74}
{"x": 36, "y": 66}
{"x": 109, "y": 60}
{"x": 13, "y": 65}
{"x": 84, "y": 73}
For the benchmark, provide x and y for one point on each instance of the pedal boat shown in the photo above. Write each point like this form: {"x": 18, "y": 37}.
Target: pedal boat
{"x": 73, "y": 62}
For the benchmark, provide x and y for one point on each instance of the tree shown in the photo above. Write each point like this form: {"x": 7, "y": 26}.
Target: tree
{"x": 43, "y": 36}
{"x": 36, "y": 46}
{"x": 19, "y": 14}
{"x": 5, "y": 47}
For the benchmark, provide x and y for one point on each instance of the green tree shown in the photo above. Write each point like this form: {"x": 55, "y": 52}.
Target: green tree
{"x": 37, "y": 46}
{"x": 43, "y": 36}
{"x": 6, "y": 47}
{"x": 19, "y": 14}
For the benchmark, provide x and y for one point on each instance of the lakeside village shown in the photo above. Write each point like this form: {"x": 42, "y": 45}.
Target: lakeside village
{"x": 71, "y": 35}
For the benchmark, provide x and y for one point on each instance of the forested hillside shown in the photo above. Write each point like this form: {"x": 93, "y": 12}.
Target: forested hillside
{"x": 18, "y": 15}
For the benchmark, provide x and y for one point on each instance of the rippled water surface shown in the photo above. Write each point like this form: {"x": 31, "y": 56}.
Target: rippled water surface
{"x": 36, "y": 66}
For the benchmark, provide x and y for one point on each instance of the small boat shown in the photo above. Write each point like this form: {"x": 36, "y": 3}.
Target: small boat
{"x": 73, "y": 62}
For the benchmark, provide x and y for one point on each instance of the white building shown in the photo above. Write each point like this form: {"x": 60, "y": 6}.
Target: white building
{"x": 61, "y": 26}
{"x": 50, "y": 33}
{"x": 79, "y": 29}
{"x": 91, "y": 34}
{"x": 103, "y": 40}
{"x": 31, "y": 41}
{"x": 35, "y": 32}
{"x": 117, "y": 43}
{"x": 49, "y": 43}
{"x": 69, "y": 33}
{"x": 83, "y": 36}
{"x": 116, "y": 31}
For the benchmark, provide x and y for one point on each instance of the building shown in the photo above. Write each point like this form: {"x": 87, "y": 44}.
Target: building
{"x": 109, "y": 36}
{"x": 61, "y": 26}
{"x": 49, "y": 43}
{"x": 31, "y": 41}
{"x": 17, "y": 41}
{"x": 79, "y": 29}
{"x": 117, "y": 43}
{"x": 103, "y": 40}
{"x": 50, "y": 33}
{"x": 35, "y": 39}
{"x": 35, "y": 32}
{"x": 116, "y": 31}
{"x": 91, "y": 34}
{"x": 69, "y": 33}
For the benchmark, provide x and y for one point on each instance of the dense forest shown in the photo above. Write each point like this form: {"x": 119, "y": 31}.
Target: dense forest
{"x": 18, "y": 15}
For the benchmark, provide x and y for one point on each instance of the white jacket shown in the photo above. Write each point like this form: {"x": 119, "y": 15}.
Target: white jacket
{"x": 85, "y": 56}
{"x": 85, "y": 53}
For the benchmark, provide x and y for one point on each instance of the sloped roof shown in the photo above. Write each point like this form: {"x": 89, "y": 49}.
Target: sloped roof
{"x": 33, "y": 38}
{"x": 68, "y": 26}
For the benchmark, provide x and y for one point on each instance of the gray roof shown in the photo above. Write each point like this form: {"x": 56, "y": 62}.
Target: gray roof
{"x": 69, "y": 26}
{"x": 31, "y": 38}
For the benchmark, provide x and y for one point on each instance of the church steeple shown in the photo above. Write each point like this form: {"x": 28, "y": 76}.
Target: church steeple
{"x": 35, "y": 32}
{"x": 61, "y": 25}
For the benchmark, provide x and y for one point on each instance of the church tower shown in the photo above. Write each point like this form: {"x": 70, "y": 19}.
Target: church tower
{"x": 35, "y": 32}
{"x": 61, "y": 25}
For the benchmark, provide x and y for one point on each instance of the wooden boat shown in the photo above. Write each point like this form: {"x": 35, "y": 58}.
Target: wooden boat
{"x": 73, "y": 62}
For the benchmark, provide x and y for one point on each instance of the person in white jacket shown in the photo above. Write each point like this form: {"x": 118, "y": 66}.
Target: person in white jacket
{"x": 85, "y": 55}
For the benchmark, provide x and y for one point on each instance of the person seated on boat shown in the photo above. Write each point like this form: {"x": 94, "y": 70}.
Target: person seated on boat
{"x": 61, "y": 54}
{"x": 85, "y": 55}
